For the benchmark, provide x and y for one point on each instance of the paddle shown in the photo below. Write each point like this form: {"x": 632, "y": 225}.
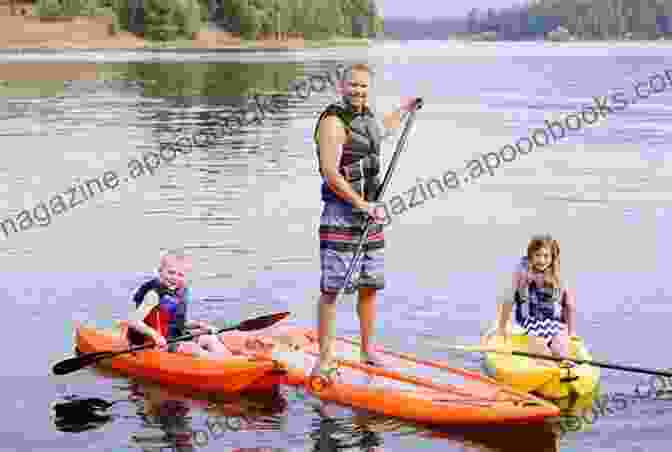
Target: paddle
{"x": 484, "y": 349}
{"x": 401, "y": 144}
{"x": 72, "y": 364}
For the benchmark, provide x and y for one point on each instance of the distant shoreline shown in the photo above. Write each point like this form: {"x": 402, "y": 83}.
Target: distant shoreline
{"x": 27, "y": 33}
{"x": 186, "y": 46}
{"x": 34, "y": 34}
{"x": 657, "y": 42}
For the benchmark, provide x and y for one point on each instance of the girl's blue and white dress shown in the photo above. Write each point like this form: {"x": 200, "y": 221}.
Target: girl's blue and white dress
{"x": 538, "y": 309}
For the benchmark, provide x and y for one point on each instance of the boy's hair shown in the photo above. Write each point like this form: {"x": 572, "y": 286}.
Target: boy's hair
{"x": 552, "y": 272}
{"x": 177, "y": 255}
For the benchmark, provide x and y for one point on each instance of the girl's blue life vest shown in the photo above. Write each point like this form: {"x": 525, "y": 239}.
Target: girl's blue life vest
{"x": 172, "y": 306}
{"x": 539, "y": 303}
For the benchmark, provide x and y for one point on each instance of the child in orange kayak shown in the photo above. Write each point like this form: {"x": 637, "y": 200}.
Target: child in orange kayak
{"x": 161, "y": 312}
{"x": 545, "y": 307}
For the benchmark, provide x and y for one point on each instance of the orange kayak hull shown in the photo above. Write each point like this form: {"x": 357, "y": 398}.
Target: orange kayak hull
{"x": 180, "y": 370}
{"x": 469, "y": 398}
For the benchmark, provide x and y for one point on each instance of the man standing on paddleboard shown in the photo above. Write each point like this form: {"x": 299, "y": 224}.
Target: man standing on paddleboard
{"x": 348, "y": 138}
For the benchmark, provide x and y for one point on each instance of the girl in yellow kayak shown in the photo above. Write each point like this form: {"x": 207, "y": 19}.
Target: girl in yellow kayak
{"x": 545, "y": 306}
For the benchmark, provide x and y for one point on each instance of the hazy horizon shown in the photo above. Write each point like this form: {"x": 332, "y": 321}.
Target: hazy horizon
{"x": 430, "y": 9}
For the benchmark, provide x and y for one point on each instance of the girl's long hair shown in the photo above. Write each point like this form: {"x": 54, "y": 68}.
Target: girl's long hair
{"x": 552, "y": 272}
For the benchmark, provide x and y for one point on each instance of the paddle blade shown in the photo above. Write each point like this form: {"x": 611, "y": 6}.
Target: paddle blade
{"x": 261, "y": 322}
{"x": 78, "y": 362}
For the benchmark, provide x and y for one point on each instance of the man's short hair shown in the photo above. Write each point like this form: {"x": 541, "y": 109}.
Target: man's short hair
{"x": 358, "y": 67}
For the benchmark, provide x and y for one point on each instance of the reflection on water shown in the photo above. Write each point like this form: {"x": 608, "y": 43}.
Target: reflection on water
{"x": 165, "y": 416}
{"x": 242, "y": 158}
{"x": 260, "y": 449}
{"x": 190, "y": 82}
{"x": 365, "y": 432}
{"x": 501, "y": 439}
{"x": 171, "y": 420}
{"x": 332, "y": 434}
{"x": 166, "y": 424}
{"x": 75, "y": 415}
{"x": 210, "y": 83}
{"x": 582, "y": 414}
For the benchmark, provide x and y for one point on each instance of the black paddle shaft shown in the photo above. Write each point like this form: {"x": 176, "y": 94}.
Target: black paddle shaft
{"x": 640, "y": 370}
{"x": 401, "y": 145}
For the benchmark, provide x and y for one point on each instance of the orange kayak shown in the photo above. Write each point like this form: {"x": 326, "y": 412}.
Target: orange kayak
{"x": 405, "y": 387}
{"x": 180, "y": 370}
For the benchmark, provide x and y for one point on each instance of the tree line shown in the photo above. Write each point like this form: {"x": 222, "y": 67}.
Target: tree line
{"x": 583, "y": 19}
{"x": 316, "y": 19}
{"x": 172, "y": 19}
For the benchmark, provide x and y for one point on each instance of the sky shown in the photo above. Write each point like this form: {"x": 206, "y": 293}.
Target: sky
{"x": 427, "y": 9}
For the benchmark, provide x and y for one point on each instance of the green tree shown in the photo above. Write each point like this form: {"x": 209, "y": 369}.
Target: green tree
{"x": 605, "y": 19}
{"x": 188, "y": 17}
{"x": 48, "y": 8}
{"x": 248, "y": 17}
{"x": 295, "y": 15}
{"x": 161, "y": 20}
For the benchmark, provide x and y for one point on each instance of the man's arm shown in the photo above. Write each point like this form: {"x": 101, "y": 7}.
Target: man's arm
{"x": 331, "y": 136}
{"x": 392, "y": 120}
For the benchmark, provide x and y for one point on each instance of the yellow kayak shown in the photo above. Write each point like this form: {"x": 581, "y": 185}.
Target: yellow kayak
{"x": 529, "y": 375}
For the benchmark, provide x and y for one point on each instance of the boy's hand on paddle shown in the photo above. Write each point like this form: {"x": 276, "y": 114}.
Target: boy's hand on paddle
{"x": 212, "y": 329}
{"x": 159, "y": 340}
{"x": 208, "y": 328}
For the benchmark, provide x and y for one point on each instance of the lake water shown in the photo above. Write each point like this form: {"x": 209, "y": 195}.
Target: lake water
{"x": 247, "y": 206}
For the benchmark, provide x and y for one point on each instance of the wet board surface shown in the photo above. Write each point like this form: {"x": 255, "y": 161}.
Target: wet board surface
{"x": 306, "y": 356}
